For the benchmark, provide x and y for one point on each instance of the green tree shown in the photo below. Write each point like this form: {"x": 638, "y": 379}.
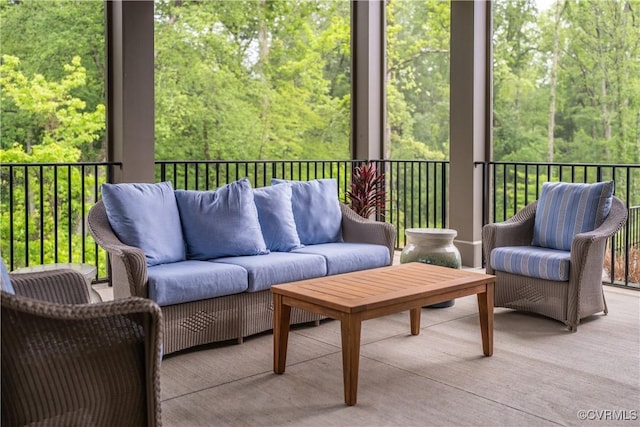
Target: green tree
{"x": 418, "y": 79}
{"x": 251, "y": 80}
{"x": 46, "y": 35}
{"x": 567, "y": 81}
{"x": 62, "y": 128}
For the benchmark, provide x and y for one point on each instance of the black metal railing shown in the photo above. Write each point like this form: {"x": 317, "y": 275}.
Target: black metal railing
{"x": 43, "y": 206}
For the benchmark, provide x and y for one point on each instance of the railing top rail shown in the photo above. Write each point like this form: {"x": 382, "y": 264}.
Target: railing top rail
{"x": 161, "y": 162}
{"x": 595, "y": 165}
{"x": 9, "y": 164}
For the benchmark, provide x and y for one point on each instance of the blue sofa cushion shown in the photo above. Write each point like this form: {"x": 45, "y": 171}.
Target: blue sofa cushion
{"x": 193, "y": 280}
{"x": 532, "y": 261}
{"x": 5, "y": 279}
{"x": 566, "y": 209}
{"x": 347, "y": 257}
{"x": 275, "y": 213}
{"x": 222, "y": 222}
{"x": 278, "y": 267}
{"x": 316, "y": 210}
{"x": 146, "y": 216}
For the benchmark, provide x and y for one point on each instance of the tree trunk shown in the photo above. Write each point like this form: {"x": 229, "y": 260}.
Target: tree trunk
{"x": 263, "y": 43}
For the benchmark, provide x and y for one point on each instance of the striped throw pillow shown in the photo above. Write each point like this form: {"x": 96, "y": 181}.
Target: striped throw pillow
{"x": 566, "y": 209}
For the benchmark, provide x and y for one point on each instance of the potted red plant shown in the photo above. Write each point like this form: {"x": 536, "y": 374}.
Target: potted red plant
{"x": 367, "y": 195}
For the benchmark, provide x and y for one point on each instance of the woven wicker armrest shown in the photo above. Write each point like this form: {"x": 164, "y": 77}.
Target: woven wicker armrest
{"x": 582, "y": 242}
{"x": 62, "y": 286}
{"x": 133, "y": 259}
{"x": 360, "y": 230}
{"x": 516, "y": 231}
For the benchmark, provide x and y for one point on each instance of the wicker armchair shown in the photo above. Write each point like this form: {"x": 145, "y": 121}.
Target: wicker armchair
{"x": 67, "y": 362}
{"x": 567, "y": 301}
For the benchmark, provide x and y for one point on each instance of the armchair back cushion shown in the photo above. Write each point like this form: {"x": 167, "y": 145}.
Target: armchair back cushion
{"x": 566, "y": 209}
{"x": 316, "y": 210}
{"x": 222, "y": 222}
{"x": 146, "y": 216}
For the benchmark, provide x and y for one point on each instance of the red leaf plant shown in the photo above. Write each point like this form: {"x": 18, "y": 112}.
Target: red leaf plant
{"x": 367, "y": 195}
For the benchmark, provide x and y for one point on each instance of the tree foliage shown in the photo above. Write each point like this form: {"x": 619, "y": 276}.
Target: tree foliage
{"x": 597, "y": 95}
{"x": 252, "y": 80}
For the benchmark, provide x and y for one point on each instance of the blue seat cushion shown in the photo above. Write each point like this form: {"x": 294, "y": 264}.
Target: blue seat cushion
{"x": 5, "y": 279}
{"x": 275, "y": 213}
{"x": 278, "y": 267}
{"x": 347, "y": 257}
{"x": 316, "y": 210}
{"x": 193, "y": 280}
{"x": 566, "y": 209}
{"x": 221, "y": 223}
{"x": 146, "y": 216}
{"x": 532, "y": 261}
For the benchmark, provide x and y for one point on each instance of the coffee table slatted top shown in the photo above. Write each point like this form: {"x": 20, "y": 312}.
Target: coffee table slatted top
{"x": 365, "y": 290}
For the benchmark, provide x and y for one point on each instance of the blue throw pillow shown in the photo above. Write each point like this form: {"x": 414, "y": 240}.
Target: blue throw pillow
{"x": 275, "y": 213}
{"x": 146, "y": 216}
{"x": 566, "y": 209}
{"x": 5, "y": 279}
{"x": 316, "y": 210}
{"x": 222, "y": 222}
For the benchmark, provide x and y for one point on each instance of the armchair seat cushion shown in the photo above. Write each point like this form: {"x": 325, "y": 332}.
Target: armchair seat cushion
{"x": 532, "y": 261}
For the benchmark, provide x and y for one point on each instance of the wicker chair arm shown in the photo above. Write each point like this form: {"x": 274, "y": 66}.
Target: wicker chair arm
{"x": 612, "y": 224}
{"x": 583, "y": 242}
{"x": 360, "y": 230}
{"x": 62, "y": 286}
{"x": 587, "y": 259}
{"x": 133, "y": 259}
{"x": 516, "y": 231}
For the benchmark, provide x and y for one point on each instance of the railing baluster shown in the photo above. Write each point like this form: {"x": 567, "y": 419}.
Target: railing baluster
{"x": 55, "y": 214}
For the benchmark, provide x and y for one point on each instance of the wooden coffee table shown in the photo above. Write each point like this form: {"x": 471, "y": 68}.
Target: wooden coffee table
{"x": 354, "y": 297}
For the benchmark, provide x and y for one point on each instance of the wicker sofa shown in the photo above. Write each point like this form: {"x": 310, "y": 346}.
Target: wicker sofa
{"x": 202, "y": 320}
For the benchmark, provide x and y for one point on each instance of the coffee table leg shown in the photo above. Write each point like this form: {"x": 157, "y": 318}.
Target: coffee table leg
{"x": 415, "y": 320}
{"x": 485, "y": 310}
{"x": 350, "y": 328}
{"x": 281, "y": 319}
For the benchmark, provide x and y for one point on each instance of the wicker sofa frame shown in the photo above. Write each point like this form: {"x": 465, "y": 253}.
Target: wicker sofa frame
{"x": 222, "y": 318}
{"x": 570, "y": 301}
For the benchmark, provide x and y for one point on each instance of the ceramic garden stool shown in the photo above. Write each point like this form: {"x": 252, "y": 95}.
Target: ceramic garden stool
{"x": 432, "y": 246}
